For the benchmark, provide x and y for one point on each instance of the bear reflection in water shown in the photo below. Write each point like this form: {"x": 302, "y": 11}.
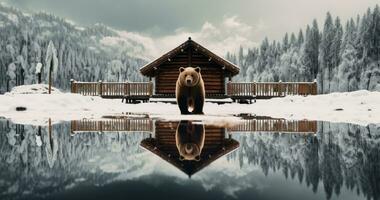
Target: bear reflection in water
{"x": 189, "y": 139}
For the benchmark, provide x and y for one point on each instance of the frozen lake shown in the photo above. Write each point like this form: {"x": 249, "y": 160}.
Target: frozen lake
{"x": 139, "y": 158}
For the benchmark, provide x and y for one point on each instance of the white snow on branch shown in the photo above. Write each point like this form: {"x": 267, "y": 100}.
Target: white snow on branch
{"x": 38, "y": 68}
{"x": 51, "y": 57}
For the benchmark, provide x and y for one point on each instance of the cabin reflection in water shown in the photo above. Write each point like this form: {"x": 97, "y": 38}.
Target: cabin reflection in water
{"x": 188, "y": 145}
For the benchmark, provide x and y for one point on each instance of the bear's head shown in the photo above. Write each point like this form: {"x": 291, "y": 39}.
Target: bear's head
{"x": 190, "y": 140}
{"x": 189, "y": 76}
{"x": 190, "y": 151}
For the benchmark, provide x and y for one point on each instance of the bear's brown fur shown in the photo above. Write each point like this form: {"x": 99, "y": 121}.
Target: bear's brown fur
{"x": 190, "y": 90}
{"x": 190, "y": 139}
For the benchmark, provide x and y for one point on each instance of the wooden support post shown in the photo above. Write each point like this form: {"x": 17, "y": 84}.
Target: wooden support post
{"x": 229, "y": 88}
{"x": 150, "y": 88}
{"x": 50, "y": 134}
{"x": 127, "y": 88}
{"x": 253, "y": 88}
{"x": 39, "y": 78}
{"x": 72, "y": 82}
{"x": 280, "y": 88}
{"x": 73, "y": 127}
{"x": 39, "y": 131}
{"x": 100, "y": 88}
{"x": 50, "y": 74}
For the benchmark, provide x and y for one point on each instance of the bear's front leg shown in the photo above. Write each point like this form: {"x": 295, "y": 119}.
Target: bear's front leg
{"x": 198, "y": 104}
{"x": 182, "y": 104}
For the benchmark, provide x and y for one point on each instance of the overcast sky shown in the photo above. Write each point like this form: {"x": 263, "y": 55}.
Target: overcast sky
{"x": 244, "y": 21}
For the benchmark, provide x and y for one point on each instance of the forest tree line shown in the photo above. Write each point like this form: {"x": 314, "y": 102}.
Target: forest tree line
{"x": 24, "y": 43}
{"x": 340, "y": 57}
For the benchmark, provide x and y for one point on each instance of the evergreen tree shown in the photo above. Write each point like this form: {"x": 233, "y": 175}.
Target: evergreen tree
{"x": 315, "y": 41}
{"x": 81, "y": 55}
{"x": 309, "y": 53}
{"x": 347, "y": 80}
{"x": 326, "y": 54}
{"x": 285, "y": 43}
{"x": 293, "y": 40}
{"x": 336, "y": 56}
{"x": 341, "y": 60}
{"x": 300, "y": 38}
{"x": 241, "y": 63}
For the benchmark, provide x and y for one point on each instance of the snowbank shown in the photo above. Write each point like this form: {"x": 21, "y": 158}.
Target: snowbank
{"x": 360, "y": 107}
{"x": 34, "y": 89}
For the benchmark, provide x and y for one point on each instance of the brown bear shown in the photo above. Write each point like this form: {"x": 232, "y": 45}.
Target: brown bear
{"x": 189, "y": 140}
{"x": 190, "y": 90}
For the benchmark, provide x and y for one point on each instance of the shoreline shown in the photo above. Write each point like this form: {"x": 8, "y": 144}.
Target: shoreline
{"x": 359, "y": 107}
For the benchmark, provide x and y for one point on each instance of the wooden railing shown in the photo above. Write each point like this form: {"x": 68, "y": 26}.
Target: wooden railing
{"x": 275, "y": 125}
{"x": 234, "y": 90}
{"x": 117, "y": 124}
{"x": 146, "y": 125}
{"x": 275, "y": 89}
{"x": 241, "y": 89}
{"x": 112, "y": 89}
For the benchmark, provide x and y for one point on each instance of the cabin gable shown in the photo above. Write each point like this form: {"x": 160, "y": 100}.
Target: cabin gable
{"x": 214, "y": 69}
{"x": 167, "y": 75}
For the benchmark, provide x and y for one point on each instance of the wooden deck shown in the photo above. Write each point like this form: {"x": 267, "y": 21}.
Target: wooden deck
{"x": 146, "y": 125}
{"x": 129, "y": 91}
{"x": 253, "y": 90}
{"x": 238, "y": 92}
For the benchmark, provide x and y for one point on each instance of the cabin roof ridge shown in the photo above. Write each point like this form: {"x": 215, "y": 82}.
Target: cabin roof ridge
{"x": 147, "y": 69}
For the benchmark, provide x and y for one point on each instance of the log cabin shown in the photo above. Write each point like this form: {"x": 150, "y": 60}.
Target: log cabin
{"x": 163, "y": 73}
{"x": 214, "y": 69}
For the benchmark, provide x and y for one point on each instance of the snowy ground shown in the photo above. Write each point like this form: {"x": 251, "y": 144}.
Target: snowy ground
{"x": 360, "y": 107}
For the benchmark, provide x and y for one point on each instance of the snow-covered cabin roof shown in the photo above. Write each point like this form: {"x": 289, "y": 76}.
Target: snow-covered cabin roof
{"x": 148, "y": 69}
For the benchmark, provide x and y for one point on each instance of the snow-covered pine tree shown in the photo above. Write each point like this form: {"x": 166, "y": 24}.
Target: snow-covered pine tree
{"x": 300, "y": 38}
{"x": 372, "y": 64}
{"x": 363, "y": 43}
{"x": 285, "y": 43}
{"x": 251, "y": 64}
{"x": 305, "y": 58}
{"x": 326, "y": 54}
{"x": 315, "y": 40}
{"x": 336, "y": 56}
{"x": 241, "y": 64}
{"x": 51, "y": 64}
{"x": 81, "y": 55}
{"x": 11, "y": 76}
{"x": 348, "y": 66}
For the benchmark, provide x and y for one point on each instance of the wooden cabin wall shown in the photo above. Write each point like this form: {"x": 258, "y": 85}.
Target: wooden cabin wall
{"x": 212, "y": 74}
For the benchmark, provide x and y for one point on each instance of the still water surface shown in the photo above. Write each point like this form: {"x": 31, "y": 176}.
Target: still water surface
{"x": 143, "y": 158}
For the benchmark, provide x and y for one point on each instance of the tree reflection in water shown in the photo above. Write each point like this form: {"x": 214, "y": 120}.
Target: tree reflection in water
{"x": 339, "y": 155}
